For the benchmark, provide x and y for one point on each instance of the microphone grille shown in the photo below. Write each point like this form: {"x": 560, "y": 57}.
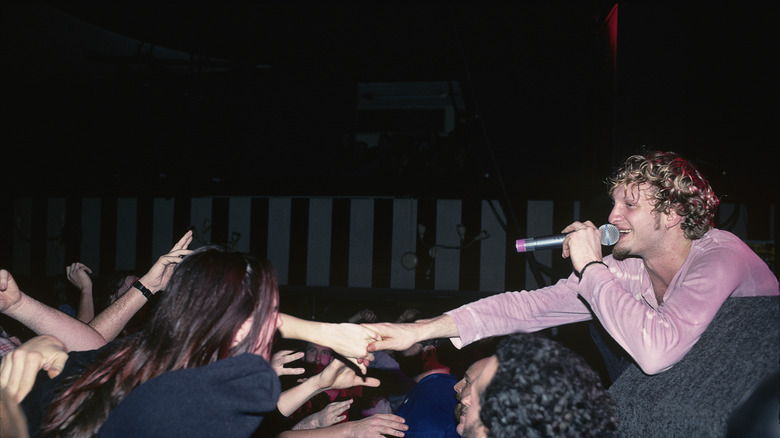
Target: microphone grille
{"x": 609, "y": 234}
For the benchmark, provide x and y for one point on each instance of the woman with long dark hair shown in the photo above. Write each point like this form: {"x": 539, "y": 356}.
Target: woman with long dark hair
{"x": 199, "y": 367}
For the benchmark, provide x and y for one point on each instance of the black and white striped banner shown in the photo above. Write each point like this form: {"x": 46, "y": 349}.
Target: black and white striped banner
{"x": 317, "y": 242}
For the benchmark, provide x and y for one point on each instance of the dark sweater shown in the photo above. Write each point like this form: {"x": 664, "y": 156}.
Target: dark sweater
{"x": 228, "y": 398}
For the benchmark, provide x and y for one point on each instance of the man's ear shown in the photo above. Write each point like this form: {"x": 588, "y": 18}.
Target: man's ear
{"x": 672, "y": 218}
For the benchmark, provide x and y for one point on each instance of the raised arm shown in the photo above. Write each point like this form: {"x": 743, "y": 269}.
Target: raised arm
{"x": 45, "y": 320}
{"x": 110, "y": 322}
{"x": 78, "y": 275}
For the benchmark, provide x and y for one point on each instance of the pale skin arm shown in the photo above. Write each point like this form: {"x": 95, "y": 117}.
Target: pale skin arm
{"x": 110, "y": 322}
{"x": 401, "y": 336}
{"x": 43, "y": 319}
{"x": 336, "y": 375}
{"x": 348, "y": 340}
{"x": 78, "y": 275}
{"x": 375, "y": 426}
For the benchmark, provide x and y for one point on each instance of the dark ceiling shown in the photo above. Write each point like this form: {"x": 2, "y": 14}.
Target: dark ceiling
{"x": 192, "y": 94}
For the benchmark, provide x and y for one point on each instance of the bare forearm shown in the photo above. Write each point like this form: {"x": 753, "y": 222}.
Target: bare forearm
{"x": 86, "y": 310}
{"x": 349, "y": 340}
{"x": 110, "y": 322}
{"x": 297, "y": 328}
{"x": 45, "y": 320}
{"x": 442, "y": 326}
{"x": 295, "y": 397}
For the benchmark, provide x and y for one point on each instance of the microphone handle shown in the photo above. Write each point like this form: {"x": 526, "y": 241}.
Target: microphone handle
{"x": 534, "y": 243}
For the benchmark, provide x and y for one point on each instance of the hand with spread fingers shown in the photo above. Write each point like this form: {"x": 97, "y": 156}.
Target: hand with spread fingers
{"x": 283, "y": 357}
{"x": 329, "y": 415}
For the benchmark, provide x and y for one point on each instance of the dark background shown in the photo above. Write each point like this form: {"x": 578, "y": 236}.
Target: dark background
{"x": 269, "y": 92}
{"x": 263, "y": 102}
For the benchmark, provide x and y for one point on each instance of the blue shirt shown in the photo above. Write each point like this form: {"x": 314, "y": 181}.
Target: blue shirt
{"x": 429, "y": 408}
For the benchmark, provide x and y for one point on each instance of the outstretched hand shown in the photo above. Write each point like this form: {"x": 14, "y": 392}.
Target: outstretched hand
{"x": 329, "y": 415}
{"x": 350, "y": 340}
{"x": 283, "y": 357}
{"x": 338, "y": 375}
{"x": 392, "y": 336}
{"x": 160, "y": 273}
{"x": 9, "y": 291}
{"x": 375, "y": 426}
{"x": 19, "y": 368}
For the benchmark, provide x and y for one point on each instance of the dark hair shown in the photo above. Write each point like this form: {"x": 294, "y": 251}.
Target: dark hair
{"x": 108, "y": 288}
{"x": 210, "y": 294}
{"x": 543, "y": 389}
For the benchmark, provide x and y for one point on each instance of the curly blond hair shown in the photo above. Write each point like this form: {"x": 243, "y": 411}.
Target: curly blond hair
{"x": 676, "y": 184}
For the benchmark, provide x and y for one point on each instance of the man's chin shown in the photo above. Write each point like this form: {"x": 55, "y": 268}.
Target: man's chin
{"x": 459, "y": 427}
{"x": 620, "y": 253}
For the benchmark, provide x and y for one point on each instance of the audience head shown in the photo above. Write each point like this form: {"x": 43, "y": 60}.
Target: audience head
{"x": 427, "y": 355}
{"x": 536, "y": 387}
{"x": 317, "y": 357}
{"x": 674, "y": 184}
{"x": 217, "y": 304}
{"x": 463, "y": 390}
{"x": 114, "y": 286}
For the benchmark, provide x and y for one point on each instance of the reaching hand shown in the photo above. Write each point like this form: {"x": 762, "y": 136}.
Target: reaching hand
{"x": 349, "y": 340}
{"x": 158, "y": 276}
{"x": 9, "y": 291}
{"x": 329, "y": 415}
{"x": 392, "y": 336}
{"x": 337, "y": 375}
{"x": 78, "y": 275}
{"x": 282, "y": 357}
{"x": 20, "y": 367}
{"x": 375, "y": 426}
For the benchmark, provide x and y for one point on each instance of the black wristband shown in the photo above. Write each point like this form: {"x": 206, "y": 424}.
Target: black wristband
{"x": 144, "y": 290}
{"x": 582, "y": 271}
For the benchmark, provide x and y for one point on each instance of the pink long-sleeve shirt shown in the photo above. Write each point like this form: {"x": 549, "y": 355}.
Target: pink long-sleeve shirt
{"x": 718, "y": 266}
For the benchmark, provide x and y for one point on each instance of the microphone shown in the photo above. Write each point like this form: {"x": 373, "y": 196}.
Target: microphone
{"x": 609, "y": 236}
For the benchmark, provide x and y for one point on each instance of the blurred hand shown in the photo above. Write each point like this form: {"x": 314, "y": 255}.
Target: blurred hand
{"x": 329, "y": 415}
{"x": 19, "y": 368}
{"x": 365, "y": 315}
{"x": 337, "y": 375}
{"x": 282, "y": 357}
{"x": 375, "y": 426}
{"x": 9, "y": 291}
{"x": 78, "y": 275}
